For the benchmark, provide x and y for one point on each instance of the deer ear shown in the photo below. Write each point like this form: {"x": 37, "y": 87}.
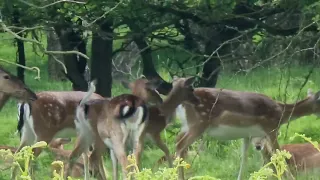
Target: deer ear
{"x": 310, "y": 93}
{"x": 189, "y": 81}
{"x": 153, "y": 84}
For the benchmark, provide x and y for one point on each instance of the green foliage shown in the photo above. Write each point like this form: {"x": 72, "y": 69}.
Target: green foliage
{"x": 258, "y": 37}
{"x": 22, "y": 159}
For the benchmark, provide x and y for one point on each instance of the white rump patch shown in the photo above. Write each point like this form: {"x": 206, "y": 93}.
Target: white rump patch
{"x": 28, "y": 134}
{"x": 135, "y": 120}
{"x": 125, "y": 110}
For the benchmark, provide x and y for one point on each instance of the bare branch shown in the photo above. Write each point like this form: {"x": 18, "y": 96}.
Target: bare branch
{"x": 41, "y": 46}
{"x": 51, "y": 4}
{"x": 25, "y": 67}
{"x": 102, "y": 16}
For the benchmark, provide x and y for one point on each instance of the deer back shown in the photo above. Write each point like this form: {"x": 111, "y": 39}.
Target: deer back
{"x": 56, "y": 110}
{"x": 304, "y": 156}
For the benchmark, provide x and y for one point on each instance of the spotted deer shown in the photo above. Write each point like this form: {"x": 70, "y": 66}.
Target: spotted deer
{"x": 51, "y": 116}
{"x": 231, "y": 115}
{"x": 304, "y": 155}
{"x": 143, "y": 88}
{"x": 161, "y": 112}
{"x": 11, "y": 86}
{"x": 118, "y": 119}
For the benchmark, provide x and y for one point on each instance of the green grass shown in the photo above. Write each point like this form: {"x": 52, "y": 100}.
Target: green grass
{"x": 220, "y": 159}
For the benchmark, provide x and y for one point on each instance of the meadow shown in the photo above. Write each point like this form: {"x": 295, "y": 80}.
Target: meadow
{"x": 219, "y": 159}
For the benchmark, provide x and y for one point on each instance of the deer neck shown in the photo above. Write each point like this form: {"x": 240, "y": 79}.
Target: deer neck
{"x": 296, "y": 110}
{"x": 169, "y": 105}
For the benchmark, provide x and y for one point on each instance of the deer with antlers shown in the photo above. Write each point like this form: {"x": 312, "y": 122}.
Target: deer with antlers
{"x": 51, "y": 116}
{"x": 305, "y": 156}
{"x": 11, "y": 86}
{"x": 230, "y": 115}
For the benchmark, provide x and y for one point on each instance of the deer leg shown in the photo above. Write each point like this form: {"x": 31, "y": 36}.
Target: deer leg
{"x": 193, "y": 133}
{"x": 138, "y": 148}
{"x": 86, "y": 165}
{"x": 178, "y": 138}
{"x": 75, "y": 154}
{"x": 244, "y": 156}
{"x": 119, "y": 150}
{"x": 96, "y": 160}
{"x": 157, "y": 139}
{"x": 114, "y": 165}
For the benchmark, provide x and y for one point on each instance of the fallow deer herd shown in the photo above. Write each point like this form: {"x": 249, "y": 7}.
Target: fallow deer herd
{"x": 111, "y": 124}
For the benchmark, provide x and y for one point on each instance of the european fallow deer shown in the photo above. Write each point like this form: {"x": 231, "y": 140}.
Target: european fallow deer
{"x": 141, "y": 88}
{"x": 11, "y": 86}
{"x": 230, "y": 115}
{"x": 304, "y": 155}
{"x": 160, "y": 114}
{"x": 51, "y": 116}
{"x": 117, "y": 118}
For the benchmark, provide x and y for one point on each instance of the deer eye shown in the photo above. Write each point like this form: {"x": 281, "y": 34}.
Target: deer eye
{"x": 6, "y": 77}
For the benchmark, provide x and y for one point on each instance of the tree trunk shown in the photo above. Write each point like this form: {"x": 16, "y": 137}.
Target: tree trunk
{"x": 21, "y": 59}
{"x": 211, "y": 67}
{"x": 69, "y": 40}
{"x": 148, "y": 67}
{"x": 55, "y": 69}
{"x": 101, "y": 64}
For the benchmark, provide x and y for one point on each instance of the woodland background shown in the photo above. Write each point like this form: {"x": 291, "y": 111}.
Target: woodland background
{"x": 267, "y": 46}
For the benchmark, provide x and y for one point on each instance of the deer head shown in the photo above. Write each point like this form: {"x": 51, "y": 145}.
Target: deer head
{"x": 145, "y": 89}
{"x": 182, "y": 90}
{"x": 315, "y": 98}
{"x": 12, "y": 86}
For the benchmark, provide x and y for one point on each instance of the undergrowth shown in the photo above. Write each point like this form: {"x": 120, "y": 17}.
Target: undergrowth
{"x": 24, "y": 158}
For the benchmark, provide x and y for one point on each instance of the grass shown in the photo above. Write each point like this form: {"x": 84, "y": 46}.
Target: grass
{"x": 220, "y": 159}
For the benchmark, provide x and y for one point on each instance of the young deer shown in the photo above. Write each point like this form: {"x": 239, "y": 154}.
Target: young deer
{"x": 304, "y": 156}
{"x": 160, "y": 114}
{"x": 50, "y": 116}
{"x": 117, "y": 118}
{"x": 11, "y": 86}
{"x": 141, "y": 88}
{"x": 230, "y": 115}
